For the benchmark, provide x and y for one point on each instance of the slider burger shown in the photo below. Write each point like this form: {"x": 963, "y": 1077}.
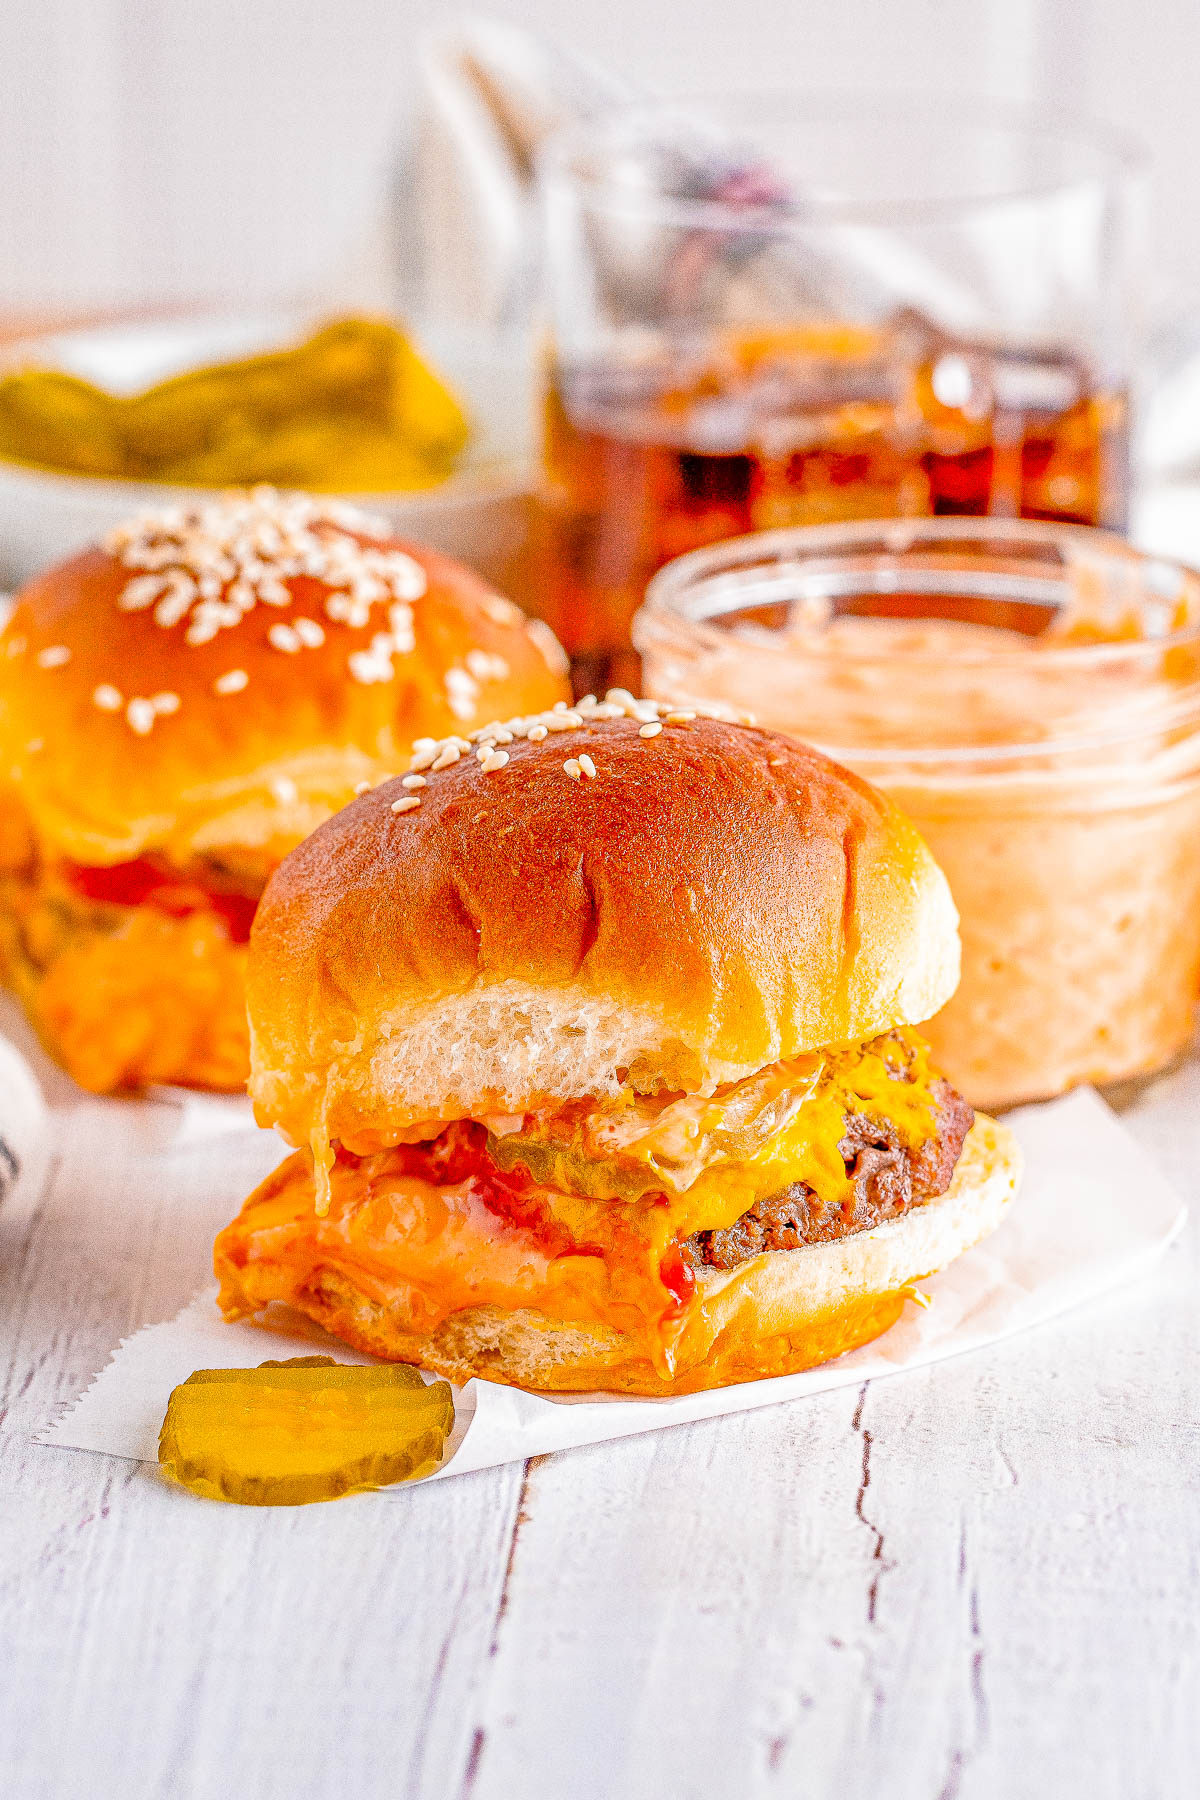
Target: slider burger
{"x": 597, "y": 1038}
{"x": 179, "y": 707}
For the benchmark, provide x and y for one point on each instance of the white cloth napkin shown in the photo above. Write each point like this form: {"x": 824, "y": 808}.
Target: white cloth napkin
{"x": 24, "y": 1130}
{"x": 1094, "y": 1213}
{"x": 492, "y": 93}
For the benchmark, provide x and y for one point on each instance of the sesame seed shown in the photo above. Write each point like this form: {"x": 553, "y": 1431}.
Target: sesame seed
{"x": 139, "y": 716}
{"x": 409, "y": 803}
{"x": 486, "y": 667}
{"x": 108, "y": 699}
{"x": 368, "y": 670}
{"x": 176, "y": 605}
{"x": 436, "y": 754}
{"x": 16, "y": 645}
{"x": 462, "y": 692}
{"x": 141, "y": 592}
{"x": 53, "y": 657}
{"x": 680, "y": 718}
{"x": 552, "y": 652}
{"x": 413, "y": 781}
{"x": 232, "y": 682}
{"x": 248, "y": 547}
{"x": 309, "y": 632}
{"x": 282, "y": 637}
{"x": 501, "y": 610}
{"x": 406, "y": 577}
{"x": 363, "y": 787}
{"x": 400, "y": 624}
{"x": 284, "y": 790}
{"x": 165, "y": 703}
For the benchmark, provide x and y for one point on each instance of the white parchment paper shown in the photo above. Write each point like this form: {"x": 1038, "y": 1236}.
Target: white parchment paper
{"x": 1094, "y": 1213}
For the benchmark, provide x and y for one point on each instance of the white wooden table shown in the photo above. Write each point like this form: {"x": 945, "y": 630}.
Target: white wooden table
{"x": 979, "y": 1579}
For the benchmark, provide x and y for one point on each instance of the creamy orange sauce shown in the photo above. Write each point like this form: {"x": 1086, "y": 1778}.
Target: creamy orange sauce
{"x": 1059, "y": 791}
{"x": 429, "y": 1251}
{"x": 480, "y": 1234}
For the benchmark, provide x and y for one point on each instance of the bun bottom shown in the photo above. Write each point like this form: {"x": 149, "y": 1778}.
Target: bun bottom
{"x": 158, "y": 999}
{"x": 781, "y": 1312}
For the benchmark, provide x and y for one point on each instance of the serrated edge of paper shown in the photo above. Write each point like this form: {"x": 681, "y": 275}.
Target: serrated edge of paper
{"x": 66, "y": 1409}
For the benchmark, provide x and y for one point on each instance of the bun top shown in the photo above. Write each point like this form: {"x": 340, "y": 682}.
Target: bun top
{"x": 619, "y": 890}
{"x": 225, "y": 675}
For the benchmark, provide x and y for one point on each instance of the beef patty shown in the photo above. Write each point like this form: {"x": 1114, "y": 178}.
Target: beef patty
{"x": 888, "y": 1180}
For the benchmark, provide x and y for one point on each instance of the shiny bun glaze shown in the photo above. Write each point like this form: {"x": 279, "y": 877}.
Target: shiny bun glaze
{"x": 225, "y": 676}
{"x": 612, "y": 890}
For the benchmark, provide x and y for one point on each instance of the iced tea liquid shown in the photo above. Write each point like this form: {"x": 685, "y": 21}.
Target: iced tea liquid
{"x": 646, "y": 461}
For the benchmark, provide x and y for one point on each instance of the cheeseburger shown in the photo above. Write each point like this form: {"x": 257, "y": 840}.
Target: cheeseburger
{"x": 179, "y": 707}
{"x": 596, "y": 1033}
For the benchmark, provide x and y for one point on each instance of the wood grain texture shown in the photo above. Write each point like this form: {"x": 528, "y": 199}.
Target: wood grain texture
{"x": 978, "y": 1580}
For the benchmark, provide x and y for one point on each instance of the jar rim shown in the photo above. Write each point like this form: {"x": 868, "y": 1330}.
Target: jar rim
{"x": 666, "y": 606}
{"x": 1114, "y": 155}
{"x": 667, "y": 589}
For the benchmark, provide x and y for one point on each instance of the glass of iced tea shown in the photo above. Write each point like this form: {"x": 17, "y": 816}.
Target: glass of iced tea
{"x": 781, "y": 311}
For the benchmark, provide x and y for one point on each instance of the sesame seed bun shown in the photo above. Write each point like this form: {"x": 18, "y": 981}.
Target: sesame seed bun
{"x": 182, "y": 689}
{"x": 777, "y": 1313}
{"x": 614, "y": 889}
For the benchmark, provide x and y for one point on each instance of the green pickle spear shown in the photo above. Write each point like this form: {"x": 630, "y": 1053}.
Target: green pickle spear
{"x": 287, "y": 1433}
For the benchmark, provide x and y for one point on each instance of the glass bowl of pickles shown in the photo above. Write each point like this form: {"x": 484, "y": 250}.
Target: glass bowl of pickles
{"x": 433, "y": 435}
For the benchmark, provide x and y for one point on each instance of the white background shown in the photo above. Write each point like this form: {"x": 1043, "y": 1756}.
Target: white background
{"x": 168, "y": 151}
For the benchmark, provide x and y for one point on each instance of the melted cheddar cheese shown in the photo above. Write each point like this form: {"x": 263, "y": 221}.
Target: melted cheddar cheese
{"x": 501, "y": 1233}
{"x": 124, "y": 996}
{"x": 720, "y": 1155}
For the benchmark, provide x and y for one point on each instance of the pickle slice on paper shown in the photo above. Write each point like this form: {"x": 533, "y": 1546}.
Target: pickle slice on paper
{"x": 285, "y": 1434}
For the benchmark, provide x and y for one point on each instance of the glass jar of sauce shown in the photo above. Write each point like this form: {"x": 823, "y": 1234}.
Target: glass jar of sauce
{"x": 1030, "y": 695}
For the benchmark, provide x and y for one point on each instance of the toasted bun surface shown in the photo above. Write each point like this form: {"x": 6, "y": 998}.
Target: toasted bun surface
{"x": 278, "y": 651}
{"x": 780, "y": 1312}
{"x": 714, "y": 899}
